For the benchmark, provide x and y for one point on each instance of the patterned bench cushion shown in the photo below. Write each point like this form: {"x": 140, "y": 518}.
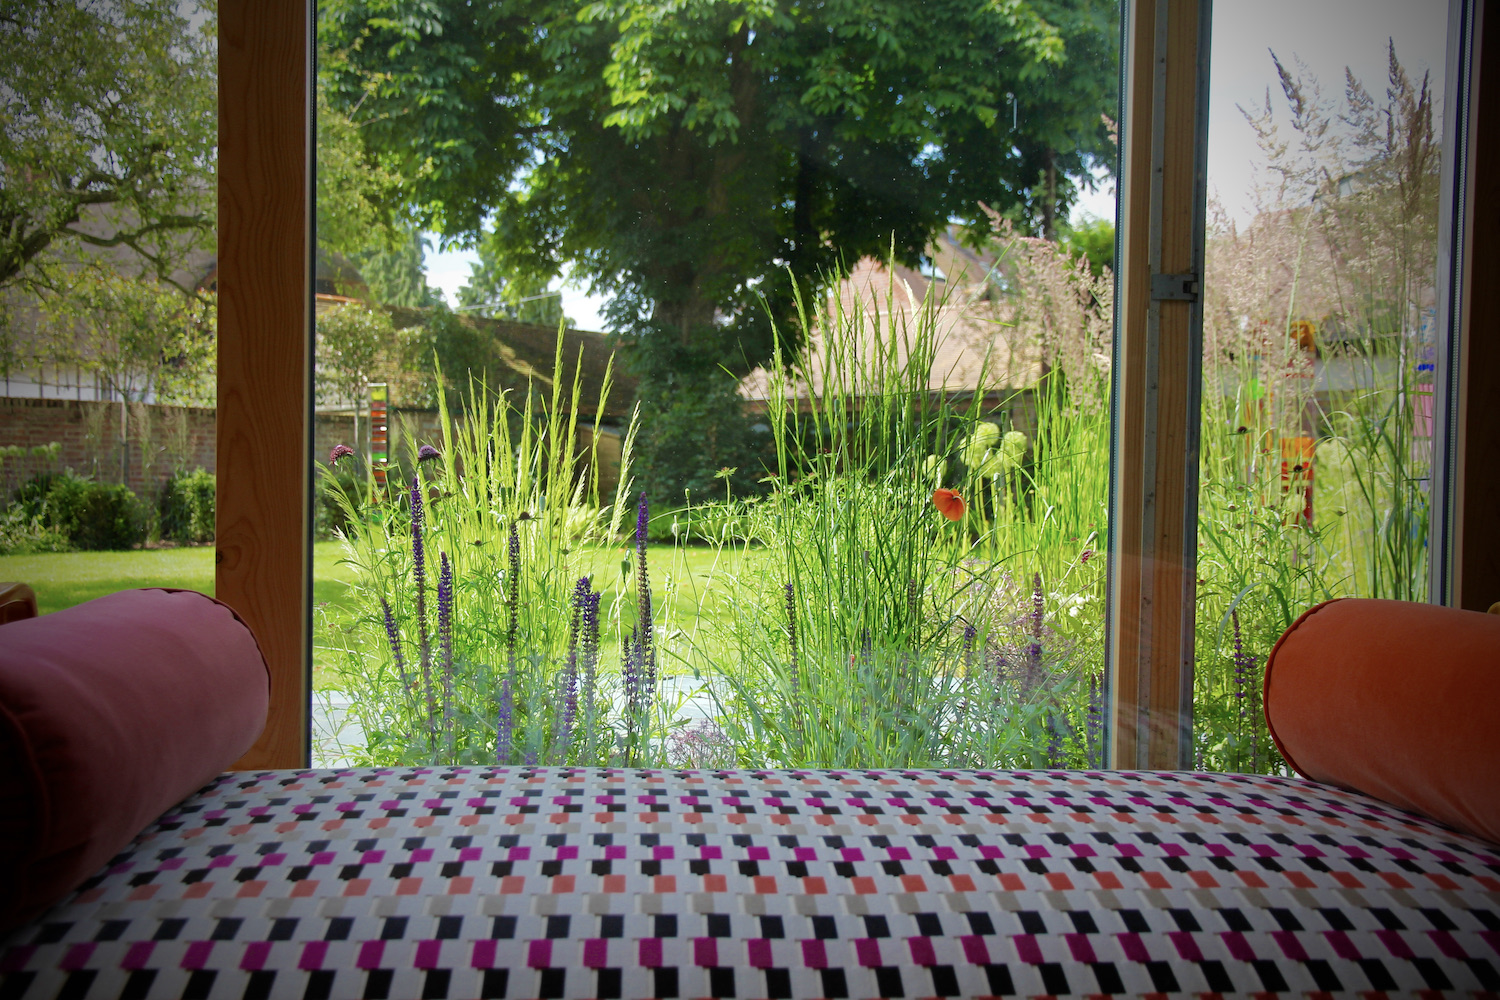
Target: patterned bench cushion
{"x": 559, "y": 882}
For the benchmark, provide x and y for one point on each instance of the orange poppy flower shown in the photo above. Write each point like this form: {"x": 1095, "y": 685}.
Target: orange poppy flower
{"x": 949, "y": 504}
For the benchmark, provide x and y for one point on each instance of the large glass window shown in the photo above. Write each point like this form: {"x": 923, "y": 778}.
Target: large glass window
{"x": 1318, "y": 334}
{"x": 822, "y": 485}
{"x": 107, "y": 286}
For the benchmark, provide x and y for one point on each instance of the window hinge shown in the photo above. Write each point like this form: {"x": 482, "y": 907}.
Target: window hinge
{"x": 1174, "y": 288}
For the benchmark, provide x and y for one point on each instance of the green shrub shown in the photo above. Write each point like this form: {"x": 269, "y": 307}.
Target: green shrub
{"x": 186, "y": 506}
{"x": 87, "y": 514}
{"x": 55, "y": 500}
{"x": 111, "y": 517}
{"x": 23, "y": 534}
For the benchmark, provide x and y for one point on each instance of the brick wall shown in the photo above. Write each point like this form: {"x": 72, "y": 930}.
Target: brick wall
{"x": 158, "y": 440}
{"x": 162, "y": 439}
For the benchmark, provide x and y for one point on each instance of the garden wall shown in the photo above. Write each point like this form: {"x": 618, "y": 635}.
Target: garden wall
{"x": 158, "y": 440}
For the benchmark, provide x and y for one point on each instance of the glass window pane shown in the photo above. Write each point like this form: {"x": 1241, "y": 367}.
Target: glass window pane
{"x": 1325, "y": 135}
{"x": 853, "y": 265}
{"x": 107, "y": 283}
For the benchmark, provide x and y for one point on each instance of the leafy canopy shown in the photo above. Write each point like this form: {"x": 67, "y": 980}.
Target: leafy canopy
{"x": 694, "y": 156}
{"x": 110, "y": 132}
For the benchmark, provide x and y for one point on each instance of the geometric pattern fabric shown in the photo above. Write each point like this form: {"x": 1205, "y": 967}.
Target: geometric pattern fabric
{"x": 580, "y": 882}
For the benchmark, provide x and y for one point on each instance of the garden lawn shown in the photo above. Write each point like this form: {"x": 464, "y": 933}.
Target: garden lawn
{"x": 681, "y": 577}
{"x": 64, "y": 579}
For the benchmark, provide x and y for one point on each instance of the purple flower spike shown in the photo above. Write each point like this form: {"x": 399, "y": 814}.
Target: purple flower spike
{"x": 393, "y": 636}
{"x": 427, "y": 452}
{"x": 445, "y": 643}
{"x": 791, "y": 630}
{"x": 339, "y": 451}
{"x": 419, "y": 571}
{"x": 643, "y": 596}
{"x": 1034, "y": 651}
{"x": 512, "y": 597}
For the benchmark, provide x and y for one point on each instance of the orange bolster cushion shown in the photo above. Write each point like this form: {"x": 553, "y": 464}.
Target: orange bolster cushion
{"x": 111, "y": 713}
{"x": 1400, "y": 701}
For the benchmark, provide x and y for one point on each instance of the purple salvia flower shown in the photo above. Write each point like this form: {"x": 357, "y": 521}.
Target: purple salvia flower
{"x": 1038, "y": 606}
{"x": 1034, "y": 650}
{"x": 569, "y": 710}
{"x": 419, "y": 571}
{"x": 393, "y": 636}
{"x": 589, "y": 640}
{"x": 633, "y": 678}
{"x": 445, "y": 645}
{"x": 504, "y": 722}
{"x": 1054, "y": 742}
{"x": 531, "y": 760}
{"x": 970, "y": 635}
{"x": 1245, "y": 667}
{"x": 630, "y": 672}
{"x": 643, "y": 593}
{"x": 512, "y": 597}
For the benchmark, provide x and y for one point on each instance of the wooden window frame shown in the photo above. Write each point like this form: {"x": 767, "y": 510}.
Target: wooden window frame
{"x": 1157, "y": 375}
{"x": 263, "y": 563}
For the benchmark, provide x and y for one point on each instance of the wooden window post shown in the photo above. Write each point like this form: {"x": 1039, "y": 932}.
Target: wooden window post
{"x": 265, "y": 320}
{"x": 1157, "y": 381}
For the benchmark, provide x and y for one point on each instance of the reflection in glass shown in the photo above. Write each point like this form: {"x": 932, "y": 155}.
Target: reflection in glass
{"x": 1318, "y": 336}
{"x": 107, "y": 282}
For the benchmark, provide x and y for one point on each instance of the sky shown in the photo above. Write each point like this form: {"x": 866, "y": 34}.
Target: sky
{"x": 1326, "y": 35}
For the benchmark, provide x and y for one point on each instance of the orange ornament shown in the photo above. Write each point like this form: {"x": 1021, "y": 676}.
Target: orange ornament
{"x": 949, "y": 504}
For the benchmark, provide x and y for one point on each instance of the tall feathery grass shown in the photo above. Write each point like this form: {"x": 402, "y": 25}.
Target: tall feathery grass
{"x": 923, "y": 582}
{"x": 480, "y": 638}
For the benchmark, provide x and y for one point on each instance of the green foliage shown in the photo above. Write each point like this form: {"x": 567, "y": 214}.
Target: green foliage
{"x": 508, "y": 469}
{"x": 352, "y": 338}
{"x": 881, "y": 633}
{"x": 339, "y": 491}
{"x": 358, "y": 206}
{"x": 494, "y": 292}
{"x": 139, "y": 337}
{"x": 696, "y": 159}
{"x": 442, "y": 357}
{"x": 23, "y": 534}
{"x": 395, "y": 275}
{"x": 89, "y": 515}
{"x": 110, "y": 132}
{"x": 185, "y": 507}
{"x": 699, "y": 429}
{"x": 1093, "y": 240}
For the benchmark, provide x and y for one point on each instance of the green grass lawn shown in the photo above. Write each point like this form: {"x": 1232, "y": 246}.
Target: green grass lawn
{"x": 64, "y": 579}
{"x": 680, "y": 579}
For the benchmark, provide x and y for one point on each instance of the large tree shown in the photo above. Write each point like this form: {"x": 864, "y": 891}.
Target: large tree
{"x": 109, "y": 132}
{"x": 698, "y": 157}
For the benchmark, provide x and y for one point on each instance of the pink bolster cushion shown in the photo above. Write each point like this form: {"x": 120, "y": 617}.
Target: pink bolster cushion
{"x": 1400, "y": 701}
{"x": 112, "y": 712}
